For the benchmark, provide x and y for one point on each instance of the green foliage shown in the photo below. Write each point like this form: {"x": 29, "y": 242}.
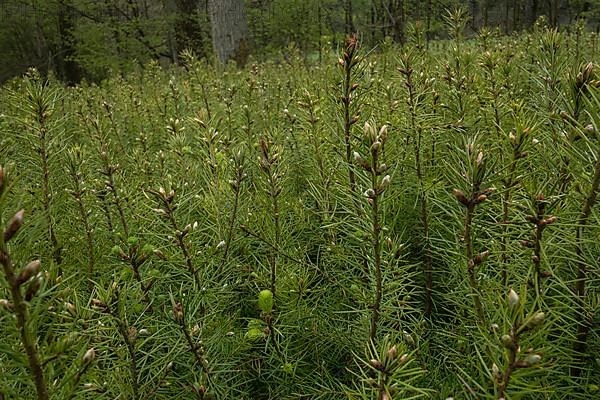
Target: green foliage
{"x": 92, "y": 40}
{"x": 176, "y": 196}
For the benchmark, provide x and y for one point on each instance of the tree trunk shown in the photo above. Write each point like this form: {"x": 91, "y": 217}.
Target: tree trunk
{"x": 229, "y": 30}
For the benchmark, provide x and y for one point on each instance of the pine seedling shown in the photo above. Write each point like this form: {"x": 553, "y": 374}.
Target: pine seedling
{"x": 195, "y": 347}
{"x": 112, "y": 303}
{"x": 210, "y": 139}
{"x": 45, "y": 136}
{"x": 166, "y": 210}
{"x": 310, "y": 110}
{"x": 135, "y": 257}
{"x": 248, "y": 122}
{"x": 108, "y": 170}
{"x": 193, "y": 65}
{"x": 490, "y": 63}
{"x": 109, "y": 110}
{"x": 229, "y": 121}
{"x": 579, "y": 33}
{"x": 456, "y": 73}
{"x": 476, "y": 176}
{"x": 162, "y": 380}
{"x": 515, "y": 358}
{"x": 250, "y": 97}
{"x": 175, "y": 95}
{"x": 485, "y": 37}
{"x": 295, "y": 147}
{"x": 583, "y": 265}
{"x": 552, "y": 65}
{"x": 239, "y": 175}
{"x": 268, "y": 160}
{"x": 456, "y": 20}
{"x": 517, "y": 140}
{"x": 387, "y": 374}
{"x": 23, "y": 284}
{"x": 540, "y": 221}
{"x": 87, "y": 360}
{"x": 178, "y": 149}
{"x": 376, "y": 169}
{"x": 102, "y": 197}
{"x": 142, "y": 157}
{"x": 417, "y": 32}
{"x": 78, "y": 190}
{"x": 580, "y": 89}
{"x": 350, "y": 66}
{"x": 416, "y": 99}
{"x": 129, "y": 336}
{"x": 175, "y": 129}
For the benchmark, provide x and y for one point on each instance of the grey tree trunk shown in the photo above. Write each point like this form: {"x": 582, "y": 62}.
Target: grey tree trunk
{"x": 229, "y": 30}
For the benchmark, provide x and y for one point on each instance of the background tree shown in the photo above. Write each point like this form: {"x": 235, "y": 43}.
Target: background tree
{"x": 188, "y": 25}
{"x": 229, "y": 29}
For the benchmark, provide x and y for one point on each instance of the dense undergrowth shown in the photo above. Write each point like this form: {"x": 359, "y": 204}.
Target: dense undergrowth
{"x": 406, "y": 223}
